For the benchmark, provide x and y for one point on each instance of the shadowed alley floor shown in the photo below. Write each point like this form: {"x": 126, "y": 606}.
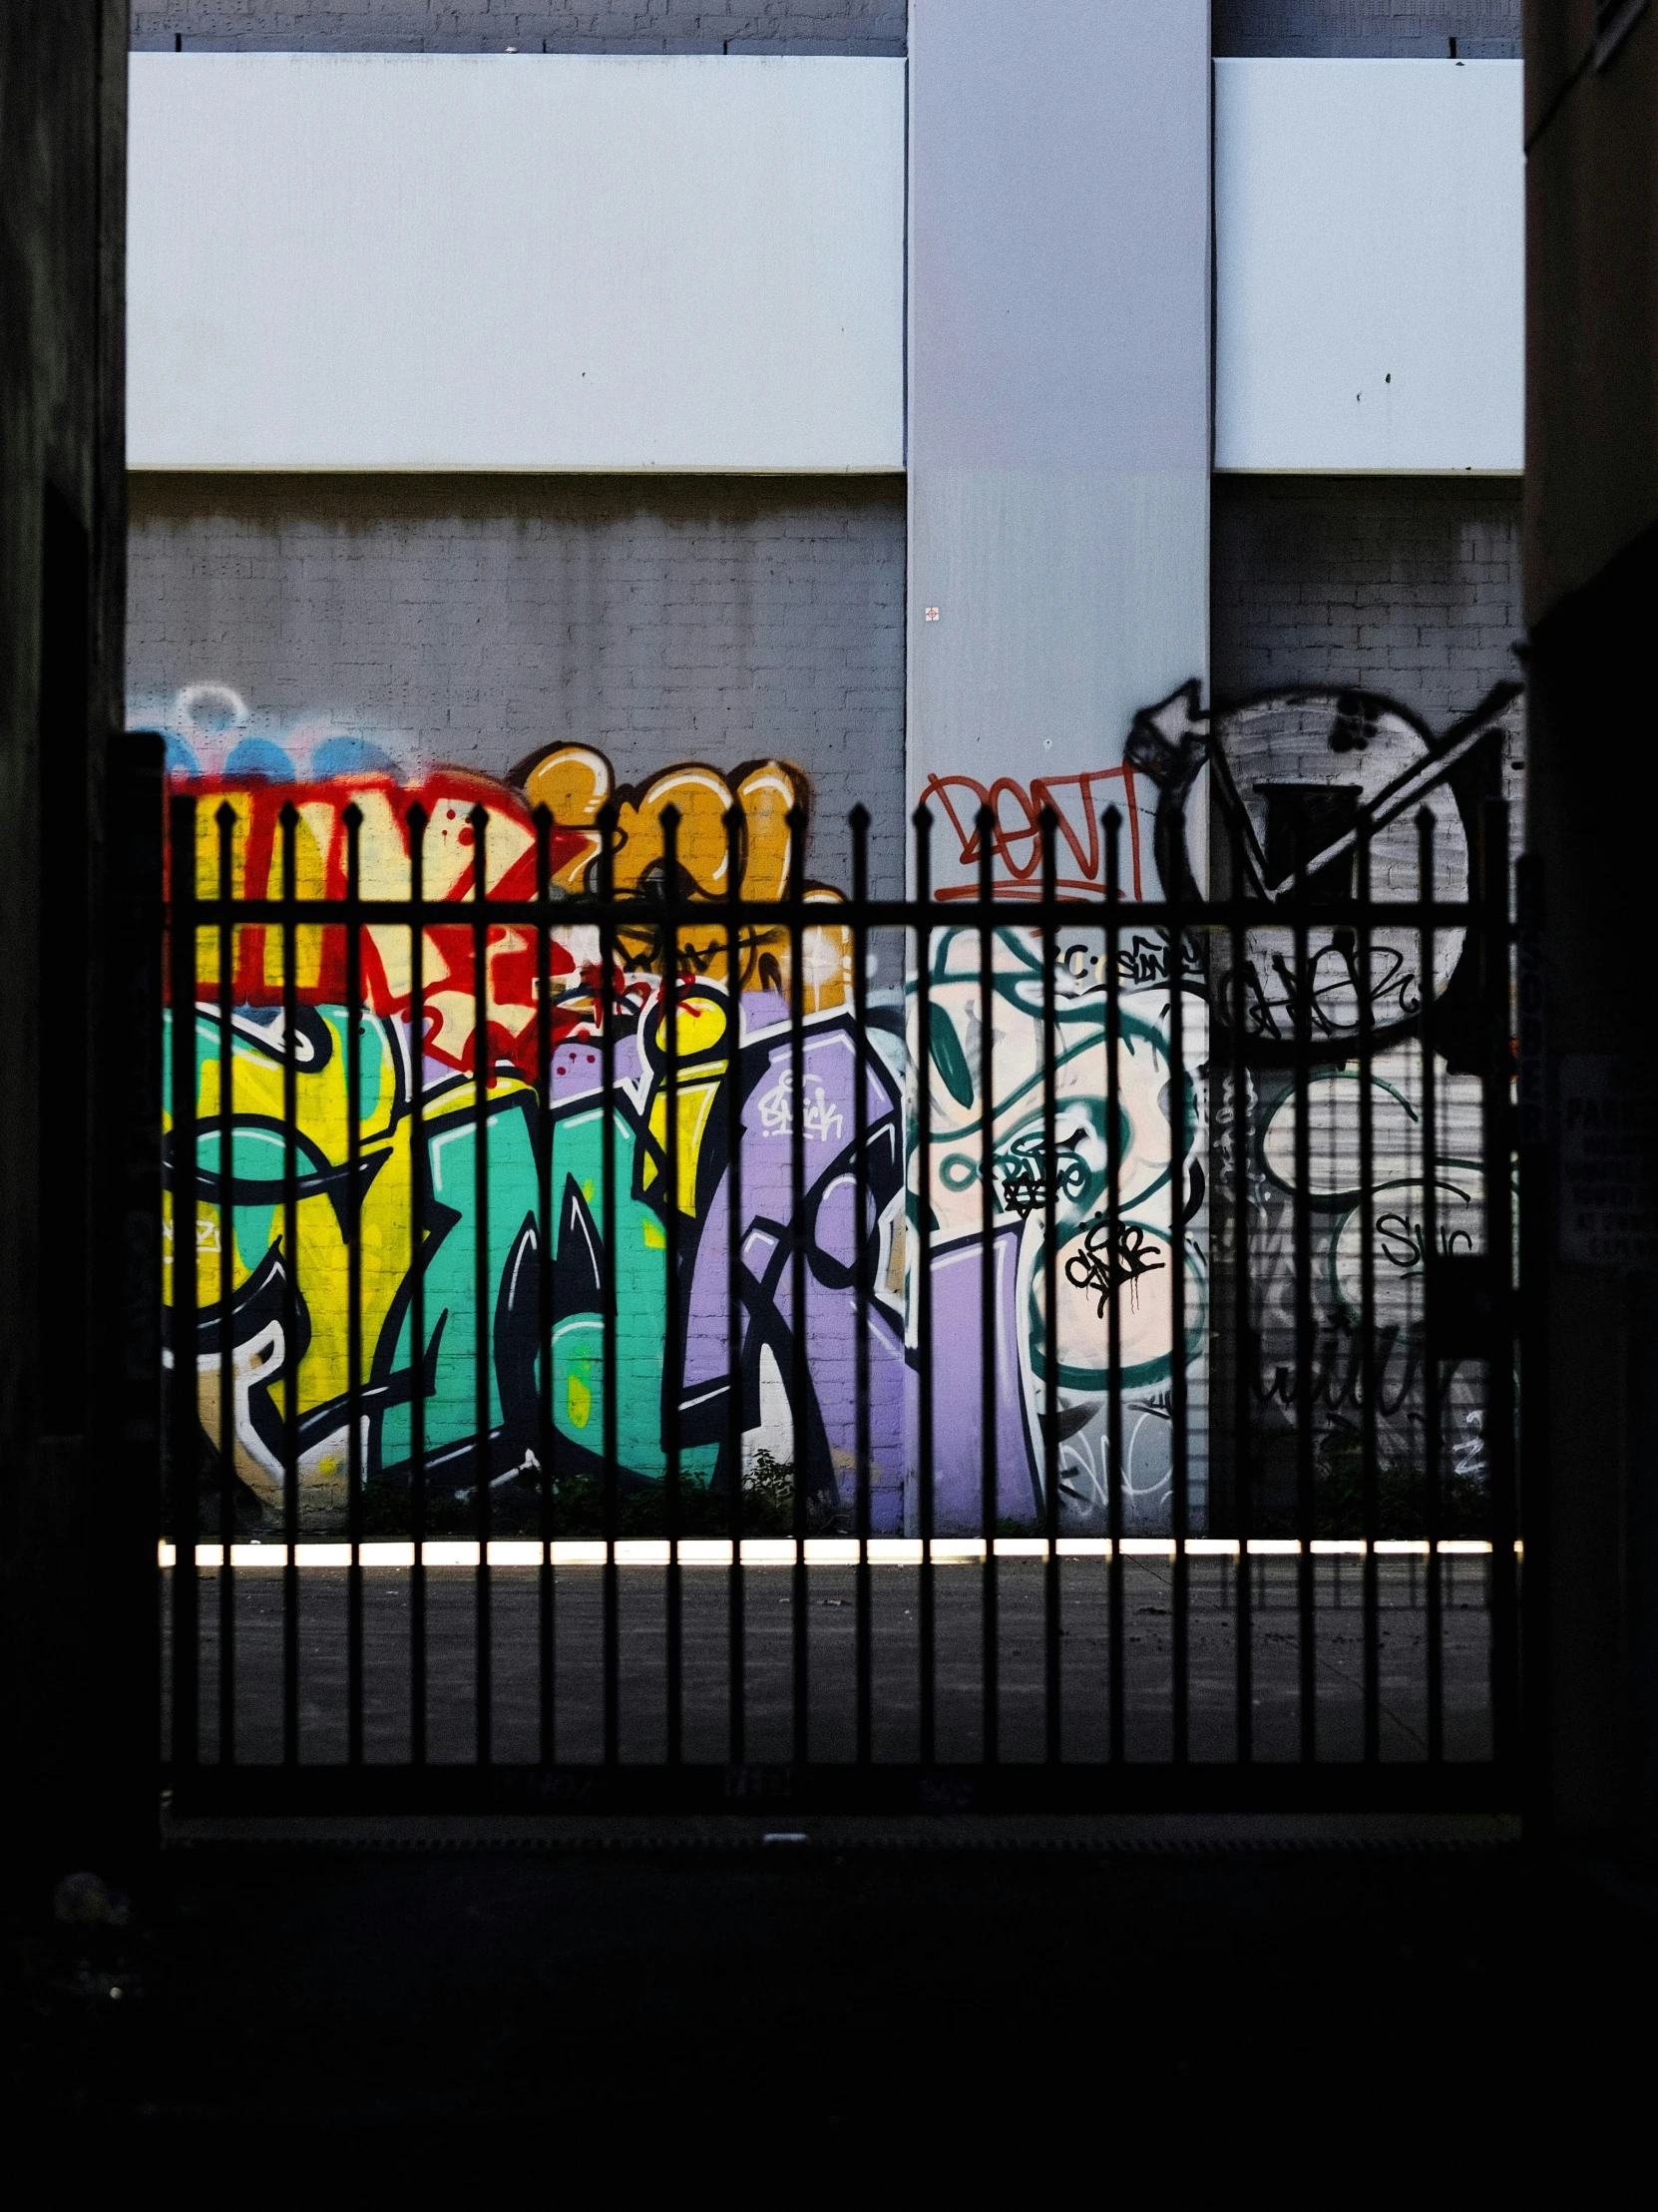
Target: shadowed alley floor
{"x": 1419, "y": 2005}
{"x": 768, "y": 1628}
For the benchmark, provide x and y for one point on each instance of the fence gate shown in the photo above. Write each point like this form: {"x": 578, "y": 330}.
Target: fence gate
{"x": 646, "y": 1332}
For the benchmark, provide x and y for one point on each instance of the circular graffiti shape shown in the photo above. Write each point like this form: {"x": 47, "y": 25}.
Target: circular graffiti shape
{"x": 1333, "y": 1113}
{"x": 1305, "y": 769}
{"x": 209, "y": 710}
{"x": 1098, "y": 1265}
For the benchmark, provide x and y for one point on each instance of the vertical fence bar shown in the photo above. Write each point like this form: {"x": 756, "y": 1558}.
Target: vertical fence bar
{"x": 547, "y": 1653}
{"x": 1179, "y": 1427}
{"x": 1112, "y": 823}
{"x": 1369, "y": 1479}
{"x": 136, "y": 1501}
{"x": 1052, "y": 1708}
{"x": 858, "y": 822}
{"x": 673, "y": 1320}
{"x": 418, "y": 1211}
{"x": 797, "y": 1268}
{"x": 184, "y": 1450}
{"x": 482, "y": 1333}
{"x": 1243, "y": 1409}
{"x": 990, "y": 1647}
{"x": 354, "y": 1285}
{"x": 1532, "y": 1135}
{"x": 291, "y": 1292}
{"x": 225, "y": 820}
{"x": 735, "y": 1590}
{"x": 606, "y": 1055}
{"x": 1498, "y": 1147}
{"x": 1426, "y": 882}
{"x": 1306, "y": 1498}
{"x": 927, "y": 1738}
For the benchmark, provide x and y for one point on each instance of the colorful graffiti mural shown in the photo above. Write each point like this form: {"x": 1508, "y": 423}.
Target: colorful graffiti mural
{"x": 1287, "y": 781}
{"x": 1133, "y": 1262}
{"x": 733, "y": 1059}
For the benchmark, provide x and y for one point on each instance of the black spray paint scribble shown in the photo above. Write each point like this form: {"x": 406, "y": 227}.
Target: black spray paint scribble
{"x": 1024, "y": 1184}
{"x": 1107, "y": 1260}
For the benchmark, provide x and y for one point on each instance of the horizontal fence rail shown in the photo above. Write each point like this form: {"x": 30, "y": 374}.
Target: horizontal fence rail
{"x": 662, "y": 1347}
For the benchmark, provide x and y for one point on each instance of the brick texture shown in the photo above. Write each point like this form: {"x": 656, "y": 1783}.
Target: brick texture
{"x": 1407, "y": 585}
{"x": 491, "y": 26}
{"x": 659, "y": 620}
{"x": 1381, "y": 30}
{"x": 1485, "y": 30}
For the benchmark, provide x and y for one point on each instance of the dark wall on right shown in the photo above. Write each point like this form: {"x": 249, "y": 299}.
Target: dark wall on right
{"x": 1383, "y": 29}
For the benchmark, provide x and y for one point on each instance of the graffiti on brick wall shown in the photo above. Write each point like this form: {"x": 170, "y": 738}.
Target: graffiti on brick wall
{"x": 1079, "y": 804}
{"x": 733, "y": 1057}
{"x": 1287, "y": 783}
{"x": 1147, "y": 1258}
{"x": 1146, "y": 1261}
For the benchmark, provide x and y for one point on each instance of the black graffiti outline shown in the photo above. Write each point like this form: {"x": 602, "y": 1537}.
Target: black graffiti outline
{"x": 1112, "y": 1255}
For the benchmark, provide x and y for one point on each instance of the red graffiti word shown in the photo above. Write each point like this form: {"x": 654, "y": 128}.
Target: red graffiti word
{"x": 1078, "y": 802}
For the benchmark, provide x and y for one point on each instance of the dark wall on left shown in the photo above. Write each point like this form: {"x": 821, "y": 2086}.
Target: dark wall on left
{"x": 62, "y": 99}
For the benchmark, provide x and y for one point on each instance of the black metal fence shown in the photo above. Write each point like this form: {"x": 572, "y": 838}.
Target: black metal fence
{"x": 667, "y": 1349}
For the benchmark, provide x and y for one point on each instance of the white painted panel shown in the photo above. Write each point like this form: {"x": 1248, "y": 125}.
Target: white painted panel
{"x": 491, "y": 261}
{"x": 1369, "y": 241}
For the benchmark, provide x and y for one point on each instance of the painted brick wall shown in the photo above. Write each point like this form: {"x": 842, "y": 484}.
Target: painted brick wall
{"x": 1408, "y": 585}
{"x": 1485, "y": 30}
{"x": 661, "y": 620}
{"x": 1381, "y": 30}
{"x": 490, "y": 26}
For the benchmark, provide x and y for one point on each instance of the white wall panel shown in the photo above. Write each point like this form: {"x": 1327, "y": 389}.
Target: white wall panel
{"x": 1370, "y": 265}
{"x": 374, "y": 261}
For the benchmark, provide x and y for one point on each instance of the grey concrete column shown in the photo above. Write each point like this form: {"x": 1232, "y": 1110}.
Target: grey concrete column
{"x": 1058, "y": 388}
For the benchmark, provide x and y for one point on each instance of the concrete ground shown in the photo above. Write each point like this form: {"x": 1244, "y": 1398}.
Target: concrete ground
{"x": 451, "y": 1648}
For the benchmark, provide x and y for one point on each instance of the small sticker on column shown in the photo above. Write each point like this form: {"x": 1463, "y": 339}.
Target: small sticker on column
{"x": 929, "y": 613}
